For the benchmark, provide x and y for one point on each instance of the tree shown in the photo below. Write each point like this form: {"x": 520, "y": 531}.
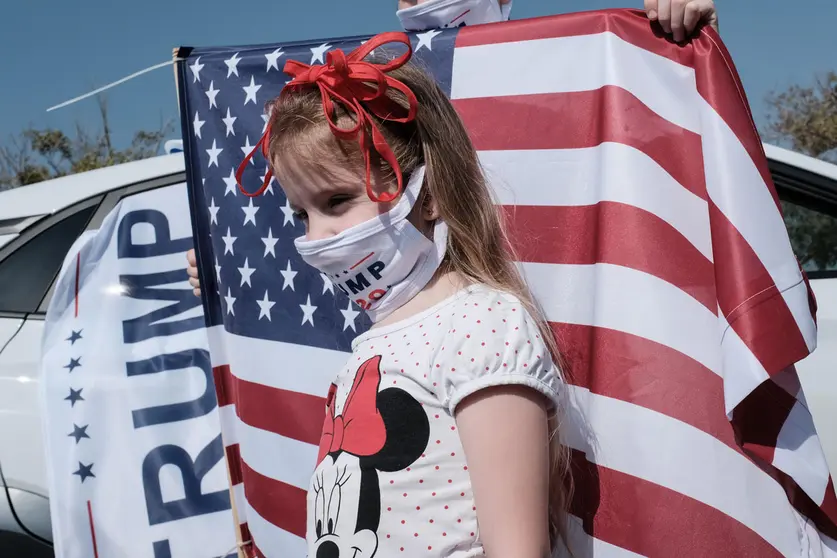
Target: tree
{"x": 37, "y": 155}
{"x": 806, "y": 118}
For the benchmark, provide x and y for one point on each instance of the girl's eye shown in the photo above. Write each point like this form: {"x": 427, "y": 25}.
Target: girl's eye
{"x": 334, "y": 201}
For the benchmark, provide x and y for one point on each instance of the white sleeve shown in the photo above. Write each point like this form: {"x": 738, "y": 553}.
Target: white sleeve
{"x": 493, "y": 341}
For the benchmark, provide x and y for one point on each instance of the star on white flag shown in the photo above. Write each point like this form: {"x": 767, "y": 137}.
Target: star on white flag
{"x": 247, "y": 148}
{"x": 251, "y": 91}
{"x": 349, "y": 316}
{"x": 318, "y": 53}
{"x": 229, "y": 240}
{"x": 232, "y": 65}
{"x": 270, "y": 244}
{"x": 308, "y": 311}
{"x": 196, "y": 70}
{"x": 212, "y": 93}
{"x": 250, "y": 213}
{"x": 213, "y": 154}
{"x": 213, "y": 212}
{"x": 198, "y": 124}
{"x": 288, "y": 212}
{"x": 232, "y": 184}
{"x": 228, "y": 122}
{"x": 272, "y": 59}
{"x": 288, "y": 275}
{"x": 426, "y": 39}
{"x": 327, "y": 284}
{"x": 269, "y": 188}
{"x": 230, "y": 300}
{"x": 246, "y": 272}
{"x": 265, "y": 305}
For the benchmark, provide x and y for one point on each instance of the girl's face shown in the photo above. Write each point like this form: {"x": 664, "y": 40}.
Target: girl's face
{"x": 330, "y": 205}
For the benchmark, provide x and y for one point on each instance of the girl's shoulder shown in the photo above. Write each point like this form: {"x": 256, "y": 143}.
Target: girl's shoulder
{"x": 491, "y": 339}
{"x": 483, "y": 305}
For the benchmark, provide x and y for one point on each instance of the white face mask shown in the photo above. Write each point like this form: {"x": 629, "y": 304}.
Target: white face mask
{"x": 384, "y": 262}
{"x": 436, "y": 14}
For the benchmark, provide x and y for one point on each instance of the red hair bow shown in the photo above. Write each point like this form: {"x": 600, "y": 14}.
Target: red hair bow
{"x": 359, "y": 429}
{"x": 361, "y": 88}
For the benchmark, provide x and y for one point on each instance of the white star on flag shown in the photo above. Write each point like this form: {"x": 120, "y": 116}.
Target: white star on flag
{"x": 265, "y": 117}
{"x": 288, "y": 212}
{"x": 230, "y": 300}
{"x": 229, "y": 240}
{"x": 288, "y": 275}
{"x": 196, "y": 70}
{"x": 198, "y": 124}
{"x": 228, "y": 122}
{"x": 327, "y": 284}
{"x": 265, "y": 305}
{"x": 349, "y": 315}
{"x": 246, "y": 272}
{"x": 426, "y": 39}
{"x": 232, "y": 185}
{"x": 213, "y": 212}
{"x": 308, "y": 311}
{"x": 247, "y": 148}
{"x": 269, "y": 188}
{"x": 272, "y": 59}
{"x": 232, "y": 65}
{"x": 217, "y": 270}
{"x": 250, "y": 213}
{"x": 371, "y": 52}
{"x": 251, "y": 91}
{"x": 270, "y": 244}
{"x": 212, "y": 93}
{"x": 318, "y": 53}
{"x": 213, "y": 154}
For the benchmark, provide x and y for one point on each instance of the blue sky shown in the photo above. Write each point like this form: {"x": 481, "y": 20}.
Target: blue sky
{"x": 54, "y": 50}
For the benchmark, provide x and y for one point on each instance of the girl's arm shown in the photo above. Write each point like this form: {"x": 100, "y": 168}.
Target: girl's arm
{"x": 506, "y": 442}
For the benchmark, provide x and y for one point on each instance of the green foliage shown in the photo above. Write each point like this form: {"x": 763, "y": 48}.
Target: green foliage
{"x": 36, "y": 155}
{"x": 806, "y": 118}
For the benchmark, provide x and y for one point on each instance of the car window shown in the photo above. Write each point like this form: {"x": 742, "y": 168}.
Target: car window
{"x": 27, "y": 272}
{"x": 813, "y": 235}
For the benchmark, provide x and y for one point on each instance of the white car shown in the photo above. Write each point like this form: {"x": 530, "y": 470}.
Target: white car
{"x": 39, "y": 223}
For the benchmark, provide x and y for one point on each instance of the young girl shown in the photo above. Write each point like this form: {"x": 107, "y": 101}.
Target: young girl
{"x": 439, "y": 437}
{"x": 441, "y": 431}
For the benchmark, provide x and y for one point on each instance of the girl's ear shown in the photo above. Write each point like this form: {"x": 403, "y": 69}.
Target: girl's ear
{"x": 429, "y": 207}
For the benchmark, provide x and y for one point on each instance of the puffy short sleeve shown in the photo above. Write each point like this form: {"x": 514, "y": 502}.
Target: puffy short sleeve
{"x": 492, "y": 341}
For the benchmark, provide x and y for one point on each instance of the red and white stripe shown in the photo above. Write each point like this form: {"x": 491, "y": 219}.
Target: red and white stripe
{"x": 647, "y": 225}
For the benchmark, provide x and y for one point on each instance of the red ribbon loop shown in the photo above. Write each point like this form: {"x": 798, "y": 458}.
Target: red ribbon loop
{"x": 360, "y": 87}
{"x": 359, "y": 429}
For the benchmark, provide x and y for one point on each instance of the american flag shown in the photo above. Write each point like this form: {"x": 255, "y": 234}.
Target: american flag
{"x": 648, "y": 227}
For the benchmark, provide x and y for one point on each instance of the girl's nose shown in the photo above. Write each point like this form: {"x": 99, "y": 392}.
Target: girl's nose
{"x": 319, "y": 228}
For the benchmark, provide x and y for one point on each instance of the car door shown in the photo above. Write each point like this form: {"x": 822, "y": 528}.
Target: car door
{"x": 809, "y": 204}
{"x": 29, "y": 265}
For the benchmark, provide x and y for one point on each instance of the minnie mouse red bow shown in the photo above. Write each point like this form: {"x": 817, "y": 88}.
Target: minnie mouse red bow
{"x": 359, "y": 429}
{"x": 358, "y": 86}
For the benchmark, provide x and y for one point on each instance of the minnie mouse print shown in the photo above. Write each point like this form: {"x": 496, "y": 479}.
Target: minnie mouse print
{"x": 376, "y": 432}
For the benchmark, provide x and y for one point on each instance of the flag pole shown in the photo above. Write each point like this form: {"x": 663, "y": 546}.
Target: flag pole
{"x": 239, "y": 539}
{"x": 240, "y": 543}
{"x": 175, "y": 54}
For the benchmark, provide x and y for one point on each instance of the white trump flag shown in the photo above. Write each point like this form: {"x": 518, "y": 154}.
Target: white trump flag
{"x": 135, "y": 460}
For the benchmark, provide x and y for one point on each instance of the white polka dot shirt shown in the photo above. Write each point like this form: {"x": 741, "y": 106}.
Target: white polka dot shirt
{"x": 392, "y": 479}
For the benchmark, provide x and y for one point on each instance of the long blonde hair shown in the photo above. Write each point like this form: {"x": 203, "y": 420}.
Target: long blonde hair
{"x": 478, "y": 247}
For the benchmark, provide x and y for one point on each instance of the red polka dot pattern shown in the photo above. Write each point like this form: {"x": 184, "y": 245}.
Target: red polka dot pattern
{"x": 489, "y": 339}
